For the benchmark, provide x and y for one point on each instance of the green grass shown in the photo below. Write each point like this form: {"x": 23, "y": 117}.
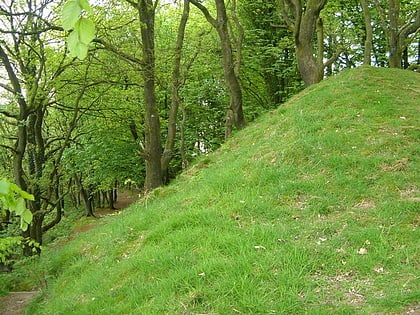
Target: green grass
{"x": 312, "y": 209}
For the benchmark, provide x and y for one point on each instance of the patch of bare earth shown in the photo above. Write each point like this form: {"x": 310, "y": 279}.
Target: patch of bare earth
{"x": 16, "y": 302}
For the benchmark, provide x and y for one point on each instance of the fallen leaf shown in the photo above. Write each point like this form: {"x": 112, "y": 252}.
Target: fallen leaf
{"x": 379, "y": 269}
{"x": 362, "y": 251}
{"x": 259, "y": 247}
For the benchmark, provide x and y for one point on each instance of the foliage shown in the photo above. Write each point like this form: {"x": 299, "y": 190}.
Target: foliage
{"x": 268, "y": 54}
{"x": 82, "y": 29}
{"x": 8, "y": 247}
{"x": 12, "y": 198}
{"x": 10, "y": 244}
{"x": 312, "y": 209}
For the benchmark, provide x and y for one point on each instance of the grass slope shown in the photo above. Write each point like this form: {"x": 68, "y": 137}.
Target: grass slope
{"x": 313, "y": 209}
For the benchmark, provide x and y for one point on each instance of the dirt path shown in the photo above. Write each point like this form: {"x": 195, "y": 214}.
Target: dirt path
{"x": 15, "y": 302}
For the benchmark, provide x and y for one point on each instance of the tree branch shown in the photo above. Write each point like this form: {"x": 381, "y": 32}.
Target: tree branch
{"x": 118, "y": 52}
{"x": 333, "y": 58}
{"x": 14, "y": 81}
{"x": 289, "y": 23}
{"x": 7, "y": 147}
{"x": 410, "y": 27}
{"x": 206, "y": 12}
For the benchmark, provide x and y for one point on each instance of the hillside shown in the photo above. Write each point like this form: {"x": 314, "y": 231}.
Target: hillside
{"x": 312, "y": 209}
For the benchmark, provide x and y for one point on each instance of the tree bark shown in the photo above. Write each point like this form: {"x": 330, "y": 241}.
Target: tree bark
{"x": 395, "y": 52}
{"x": 367, "y": 56}
{"x": 35, "y": 169}
{"x": 153, "y": 147}
{"x": 111, "y": 200}
{"x": 306, "y": 23}
{"x": 87, "y": 196}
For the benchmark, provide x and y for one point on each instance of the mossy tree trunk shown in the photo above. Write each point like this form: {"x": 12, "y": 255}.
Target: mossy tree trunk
{"x": 153, "y": 147}
{"x": 367, "y": 57}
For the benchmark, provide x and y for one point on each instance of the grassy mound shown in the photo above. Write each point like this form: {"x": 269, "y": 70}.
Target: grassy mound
{"x": 313, "y": 209}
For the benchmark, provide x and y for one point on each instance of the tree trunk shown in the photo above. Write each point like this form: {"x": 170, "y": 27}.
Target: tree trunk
{"x": 111, "y": 200}
{"x": 395, "y": 52}
{"x": 176, "y": 85}
{"x": 367, "y": 58}
{"x": 305, "y": 25}
{"x": 182, "y": 149}
{"x": 36, "y": 165}
{"x": 59, "y": 205}
{"x": 86, "y": 196}
{"x": 235, "y": 116}
{"x": 19, "y": 153}
{"x": 153, "y": 148}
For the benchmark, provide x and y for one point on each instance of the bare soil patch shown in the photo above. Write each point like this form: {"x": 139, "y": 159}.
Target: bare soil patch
{"x": 126, "y": 198}
{"x": 16, "y": 302}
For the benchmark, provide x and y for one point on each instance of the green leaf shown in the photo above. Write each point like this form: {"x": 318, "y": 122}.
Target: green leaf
{"x": 73, "y": 41}
{"x": 23, "y": 225}
{"x": 10, "y": 203}
{"x": 20, "y": 207}
{"x": 4, "y": 187}
{"x": 15, "y": 188}
{"x": 70, "y": 14}
{"x": 76, "y": 47}
{"x": 26, "y": 195}
{"x": 86, "y": 29}
{"x": 27, "y": 216}
{"x": 84, "y": 4}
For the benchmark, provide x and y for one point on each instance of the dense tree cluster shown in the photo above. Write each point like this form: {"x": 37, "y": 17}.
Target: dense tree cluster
{"x": 163, "y": 82}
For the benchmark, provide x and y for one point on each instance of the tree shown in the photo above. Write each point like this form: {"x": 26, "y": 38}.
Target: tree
{"x": 33, "y": 67}
{"x": 175, "y": 100}
{"x": 157, "y": 161}
{"x": 152, "y": 148}
{"x": 398, "y": 35}
{"x": 25, "y": 48}
{"x": 304, "y": 20}
{"x": 235, "y": 116}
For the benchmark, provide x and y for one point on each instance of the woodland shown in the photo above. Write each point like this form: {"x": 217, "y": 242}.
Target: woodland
{"x": 136, "y": 90}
